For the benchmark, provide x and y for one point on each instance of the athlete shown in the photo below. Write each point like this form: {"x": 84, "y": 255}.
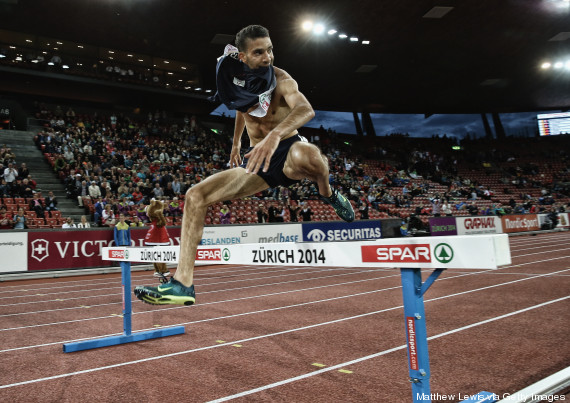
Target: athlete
{"x": 270, "y": 106}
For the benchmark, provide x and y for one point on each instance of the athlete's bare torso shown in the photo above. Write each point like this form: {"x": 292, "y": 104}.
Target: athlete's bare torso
{"x": 258, "y": 128}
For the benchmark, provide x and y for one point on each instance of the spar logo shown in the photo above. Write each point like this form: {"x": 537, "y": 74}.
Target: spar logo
{"x": 316, "y": 235}
{"x": 209, "y": 254}
{"x": 118, "y": 254}
{"x": 419, "y": 253}
{"x": 40, "y": 249}
{"x": 443, "y": 253}
{"x": 226, "y": 254}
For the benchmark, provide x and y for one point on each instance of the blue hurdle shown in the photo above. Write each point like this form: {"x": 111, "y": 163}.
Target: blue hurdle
{"x": 409, "y": 254}
{"x": 128, "y": 336}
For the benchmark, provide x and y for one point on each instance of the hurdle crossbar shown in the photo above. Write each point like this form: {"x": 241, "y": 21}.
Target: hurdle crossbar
{"x": 410, "y": 255}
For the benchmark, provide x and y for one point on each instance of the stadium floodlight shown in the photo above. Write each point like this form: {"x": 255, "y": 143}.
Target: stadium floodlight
{"x": 353, "y": 39}
{"x": 318, "y": 29}
{"x": 307, "y": 25}
{"x": 331, "y": 31}
{"x": 366, "y": 42}
{"x": 558, "y": 65}
{"x": 546, "y": 65}
{"x": 343, "y": 36}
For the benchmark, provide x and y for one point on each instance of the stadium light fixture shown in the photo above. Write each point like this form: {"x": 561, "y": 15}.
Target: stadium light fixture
{"x": 343, "y": 36}
{"x": 318, "y": 29}
{"x": 307, "y": 25}
{"x": 353, "y": 39}
{"x": 546, "y": 65}
{"x": 331, "y": 31}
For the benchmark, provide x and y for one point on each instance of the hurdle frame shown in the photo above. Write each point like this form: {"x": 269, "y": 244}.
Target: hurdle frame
{"x": 128, "y": 336}
{"x": 467, "y": 250}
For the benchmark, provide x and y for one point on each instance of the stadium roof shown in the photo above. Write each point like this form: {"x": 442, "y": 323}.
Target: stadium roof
{"x": 424, "y": 56}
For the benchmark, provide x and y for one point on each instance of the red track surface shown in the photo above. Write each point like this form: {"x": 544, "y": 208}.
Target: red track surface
{"x": 260, "y": 330}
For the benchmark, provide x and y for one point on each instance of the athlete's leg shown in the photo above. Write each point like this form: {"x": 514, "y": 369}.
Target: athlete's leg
{"x": 231, "y": 184}
{"x": 305, "y": 160}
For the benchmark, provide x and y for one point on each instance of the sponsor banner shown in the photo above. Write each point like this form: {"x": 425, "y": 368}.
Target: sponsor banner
{"x": 63, "y": 249}
{"x": 462, "y": 252}
{"x": 439, "y": 226}
{"x": 277, "y": 233}
{"x": 562, "y": 220}
{"x": 341, "y": 231}
{"x": 520, "y": 223}
{"x": 14, "y": 251}
{"x": 237, "y": 234}
{"x": 478, "y": 225}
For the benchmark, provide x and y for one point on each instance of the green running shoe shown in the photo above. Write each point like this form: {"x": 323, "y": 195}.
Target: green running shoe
{"x": 341, "y": 205}
{"x": 170, "y": 293}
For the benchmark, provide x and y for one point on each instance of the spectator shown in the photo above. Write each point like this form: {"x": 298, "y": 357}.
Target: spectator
{"x": 363, "y": 208}
{"x": 94, "y": 191}
{"x": 51, "y": 202}
{"x": 108, "y": 216}
{"x": 82, "y": 191}
{"x": 446, "y": 209}
{"x": 272, "y": 213}
{"x": 23, "y": 172}
{"x": 280, "y": 213}
{"x": 305, "y": 212}
{"x": 20, "y": 219}
{"x": 225, "y": 215}
{"x": 69, "y": 223}
{"x": 293, "y": 211}
{"x": 5, "y": 220}
{"x": 122, "y": 232}
{"x": 175, "y": 208}
{"x": 436, "y": 206}
{"x": 37, "y": 206}
{"x": 83, "y": 223}
{"x": 262, "y": 214}
{"x": 136, "y": 222}
{"x": 10, "y": 174}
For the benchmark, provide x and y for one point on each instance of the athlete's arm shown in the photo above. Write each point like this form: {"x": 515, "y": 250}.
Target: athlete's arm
{"x": 301, "y": 113}
{"x": 235, "y": 157}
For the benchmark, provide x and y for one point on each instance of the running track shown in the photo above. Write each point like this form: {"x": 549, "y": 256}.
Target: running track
{"x": 295, "y": 334}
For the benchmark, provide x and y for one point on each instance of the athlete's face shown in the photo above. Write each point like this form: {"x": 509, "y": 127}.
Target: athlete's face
{"x": 259, "y": 53}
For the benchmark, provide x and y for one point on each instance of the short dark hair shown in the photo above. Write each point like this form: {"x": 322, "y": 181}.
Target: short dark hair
{"x": 250, "y": 32}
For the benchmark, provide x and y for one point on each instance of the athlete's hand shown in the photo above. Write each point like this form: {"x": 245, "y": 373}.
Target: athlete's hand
{"x": 261, "y": 154}
{"x": 235, "y": 157}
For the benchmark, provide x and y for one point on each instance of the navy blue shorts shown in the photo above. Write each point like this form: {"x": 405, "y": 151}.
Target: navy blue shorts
{"x": 274, "y": 175}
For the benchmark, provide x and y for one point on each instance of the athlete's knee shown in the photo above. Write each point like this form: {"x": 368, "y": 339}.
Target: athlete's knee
{"x": 309, "y": 158}
{"x": 193, "y": 198}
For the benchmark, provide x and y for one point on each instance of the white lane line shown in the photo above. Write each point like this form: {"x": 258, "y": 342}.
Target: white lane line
{"x": 277, "y": 334}
{"x": 213, "y": 291}
{"x": 381, "y": 353}
{"x": 204, "y": 304}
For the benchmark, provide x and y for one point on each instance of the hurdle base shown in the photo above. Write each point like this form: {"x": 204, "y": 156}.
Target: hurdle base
{"x": 123, "y": 339}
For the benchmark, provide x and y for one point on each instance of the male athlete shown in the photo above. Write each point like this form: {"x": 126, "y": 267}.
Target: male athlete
{"x": 269, "y": 105}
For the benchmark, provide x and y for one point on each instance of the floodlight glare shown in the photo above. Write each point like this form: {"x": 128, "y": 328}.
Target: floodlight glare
{"x": 331, "y": 31}
{"x": 307, "y": 25}
{"x": 319, "y": 29}
{"x": 545, "y": 65}
{"x": 342, "y": 36}
{"x": 558, "y": 65}
{"x": 353, "y": 39}
{"x": 568, "y": 65}
{"x": 366, "y": 42}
